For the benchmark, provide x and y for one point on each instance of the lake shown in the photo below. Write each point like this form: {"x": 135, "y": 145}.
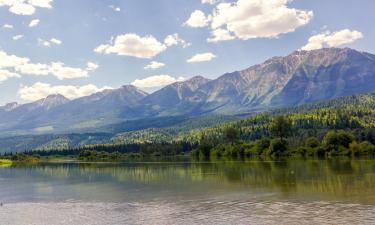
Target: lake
{"x": 335, "y": 191}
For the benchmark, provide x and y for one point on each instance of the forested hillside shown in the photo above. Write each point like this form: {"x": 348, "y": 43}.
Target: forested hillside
{"x": 355, "y": 113}
{"x": 352, "y": 112}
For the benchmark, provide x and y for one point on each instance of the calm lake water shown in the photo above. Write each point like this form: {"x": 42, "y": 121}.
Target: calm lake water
{"x": 337, "y": 191}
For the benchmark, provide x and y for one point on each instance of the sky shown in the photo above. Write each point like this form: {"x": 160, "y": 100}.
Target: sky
{"x": 78, "y": 47}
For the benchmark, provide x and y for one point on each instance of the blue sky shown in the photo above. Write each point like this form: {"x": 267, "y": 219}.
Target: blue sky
{"x": 77, "y": 47}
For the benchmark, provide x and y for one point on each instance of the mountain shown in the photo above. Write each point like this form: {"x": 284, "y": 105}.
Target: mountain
{"x": 350, "y": 112}
{"x": 21, "y": 115}
{"x": 299, "y": 78}
{"x": 9, "y": 107}
{"x": 177, "y": 98}
{"x": 58, "y": 113}
{"x": 296, "y": 79}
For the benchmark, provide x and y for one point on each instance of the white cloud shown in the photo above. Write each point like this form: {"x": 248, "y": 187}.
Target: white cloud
{"x": 41, "y": 90}
{"x": 335, "y": 39}
{"x": 59, "y": 70}
{"x": 114, "y": 8}
{"x": 41, "y": 3}
{"x": 156, "y": 81}
{"x": 17, "y": 37}
{"x": 211, "y": 2}
{"x": 248, "y": 19}
{"x": 174, "y": 39}
{"x": 44, "y": 43}
{"x": 8, "y": 26}
{"x": 55, "y": 41}
{"x": 220, "y": 35}
{"x": 92, "y": 66}
{"x": 48, "y": 43}
{"x": 197, "y": 19}
{"x": 5, "y": 75}
{"x": 154, "y": 65}
{"x": 34, "y": 23}
{"x": 140, "y": 47}
{"x": 133, "y": 45}
{"x": 23, "y": 65}
{"x": 204, "y": 57}
{"x": 25, "y": 7}
{"x": 22, "y": 9}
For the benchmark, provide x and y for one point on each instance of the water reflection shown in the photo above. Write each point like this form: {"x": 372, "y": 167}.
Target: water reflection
{"x": 344, "y": 180}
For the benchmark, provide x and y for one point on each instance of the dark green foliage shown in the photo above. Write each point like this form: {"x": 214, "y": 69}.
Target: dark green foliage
{"x": 281, "y": 127}
{"x": 345, "y": 138}
{"x": 262, "y": 145}
{"x": 364, "y": 148}
{"x": 231, "y": 134}
{"x": 331, "y": 141}
{"x": 312, "y": 142}
{"x": 278, "y": 147}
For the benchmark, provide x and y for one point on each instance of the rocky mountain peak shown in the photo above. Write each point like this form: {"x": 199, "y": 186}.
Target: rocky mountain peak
{"x": 9, "y": 106}
{"x": 52, "y": 101}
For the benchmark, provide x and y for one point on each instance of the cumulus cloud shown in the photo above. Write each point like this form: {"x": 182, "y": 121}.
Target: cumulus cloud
{"x": 17, "y": 37}
{"x": 136, "y": 46}
{"x": 23, "y": 65}
{"x": 25, "y": 7}
{"x": 34, "y": 23}
{"x": 335, "y": 39}
{"x": 41, "y": 90}
{"x": 174, "y": 39}
{"x": 220, "y": 35}
{"x": 6, "y": 74}
{"x": 156, "y": 81}
{"x": 248, "y": 19}
{"x": 203, "y": 57}
{"x": 8, "y": 26}
{"x": 154, "y": 65}
{"x": 197, "y": 19}
{"x": 133, "y": 45}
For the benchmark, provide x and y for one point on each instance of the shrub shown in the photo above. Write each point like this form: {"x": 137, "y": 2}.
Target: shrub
{"x": 278, "y": 147}
{"x": 344, "y": 138}
{"x": 312, "y": 142}
{"x": 261, "y": 145}
{"x": 366, "y": 148}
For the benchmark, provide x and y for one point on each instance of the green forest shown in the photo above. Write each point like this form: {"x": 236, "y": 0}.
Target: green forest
{"x": 344, "y": 126}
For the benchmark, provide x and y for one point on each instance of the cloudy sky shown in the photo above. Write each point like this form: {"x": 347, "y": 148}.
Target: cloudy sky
{"x": 77, "y": 47}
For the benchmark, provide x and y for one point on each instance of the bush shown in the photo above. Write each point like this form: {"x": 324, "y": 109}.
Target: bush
{"x": 354, "y": 148}
{"x": 366, "y": 148}
{"x": 344, "y": 138}
{"x": 278, "y": 147}
{"x": 312, "y": 142}
{"x": 261, "y": 145}
{"x": 331, "y": 141}
{"x": 204, "y": 150}
{"x": 218, "y": 151}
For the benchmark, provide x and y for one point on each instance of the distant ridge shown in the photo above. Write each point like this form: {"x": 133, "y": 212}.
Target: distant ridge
{"x": 296, "y": 79}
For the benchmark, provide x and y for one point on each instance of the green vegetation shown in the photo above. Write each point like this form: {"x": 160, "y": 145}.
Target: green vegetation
{"x": 345, "y": 126}
{"x": 19, "y": 158}
{"x": 5, "y": 162}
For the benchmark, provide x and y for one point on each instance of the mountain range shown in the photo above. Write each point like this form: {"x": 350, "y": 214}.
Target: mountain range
{"x": 299, "y": 78}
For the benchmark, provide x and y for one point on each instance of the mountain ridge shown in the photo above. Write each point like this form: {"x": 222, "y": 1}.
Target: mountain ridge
{"x": 282, "y": 81}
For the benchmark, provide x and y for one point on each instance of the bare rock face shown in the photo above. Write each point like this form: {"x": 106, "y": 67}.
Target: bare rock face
{"x": 301, "y": 77}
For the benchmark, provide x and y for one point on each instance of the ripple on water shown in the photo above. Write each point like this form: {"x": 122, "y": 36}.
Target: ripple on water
{"x": 206, "y": 211}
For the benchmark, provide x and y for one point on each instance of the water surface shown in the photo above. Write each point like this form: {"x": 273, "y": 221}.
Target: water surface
{"x": 336, "y": 191}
